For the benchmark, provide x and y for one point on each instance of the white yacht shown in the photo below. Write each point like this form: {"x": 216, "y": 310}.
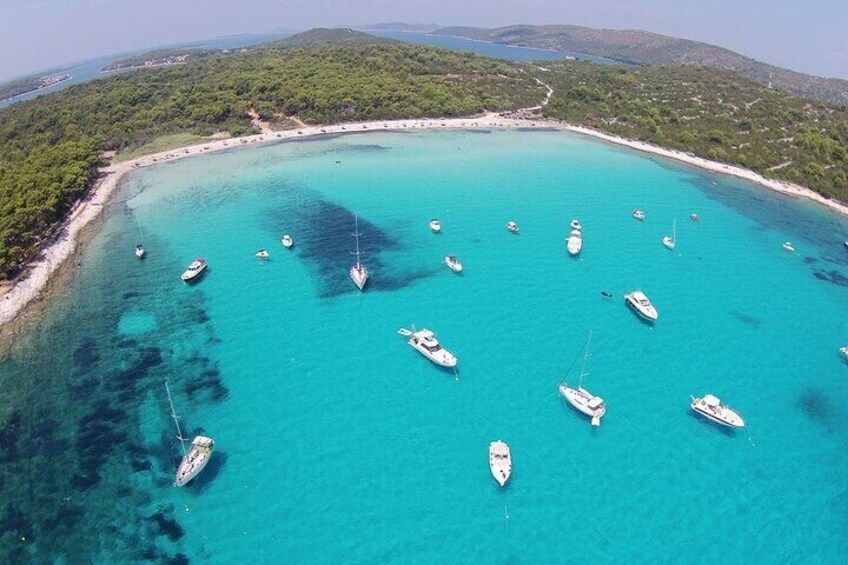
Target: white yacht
{"x": 574, "y": 243}
{"x": 139, "y": 251}
{"x": 500, "y": 461}
{"x": 358, "y": 272}
{"x": 435, "y": 226}
{"x": 425, "y": 342}
{"x": 453, "y": 263}
{"x": 711, "y": 407}
{"x": 263, "y": 254}
{"x": 788, "y": 246}
{"x": 638, "y": 214}
{"x": 512, "y": 226}
{"x": 642, "y": 305}
{"x": 575, "y": 225}
{"x": 194, "y": 270}
{"x": 287, "y": 241}
{"x": 580, "y": 398}
{"x": 197, "y": 456}
{"x": 671, "y": 242}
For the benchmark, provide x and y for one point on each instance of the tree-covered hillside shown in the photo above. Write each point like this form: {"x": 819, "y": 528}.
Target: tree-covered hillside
{"x": 713, "y": 114}
{"x": 50, "y": 146}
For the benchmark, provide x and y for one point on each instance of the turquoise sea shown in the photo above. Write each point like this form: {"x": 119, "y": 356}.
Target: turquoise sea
{"x": 336, "y": 442}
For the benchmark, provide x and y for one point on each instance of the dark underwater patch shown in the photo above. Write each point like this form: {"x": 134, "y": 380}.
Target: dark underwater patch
{"x": 126, "y": 343}
{"x": 168, "y": 526}
{"x": 815, "y": 404}
{"x": 834, "y": 277}
{"x": 131, "y": 294}
{"x": 10, "y": 433}
{"x": 746, "y": 318}
{"x": 85, "y": 355}
{"x": 99, "y": 433}
{"x": 207, "y": 383}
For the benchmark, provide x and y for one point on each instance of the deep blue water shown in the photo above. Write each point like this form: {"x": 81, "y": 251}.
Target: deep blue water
{"x": 336, "y": 442}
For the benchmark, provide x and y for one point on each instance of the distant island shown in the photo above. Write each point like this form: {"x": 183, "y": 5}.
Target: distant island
{"x": 646, "y": 48}
{"x": 28, "y": 85}
{"x": 162, "y": 58}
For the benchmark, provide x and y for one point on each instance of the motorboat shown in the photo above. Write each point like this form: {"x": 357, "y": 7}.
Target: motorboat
{"x": 671, "y": 241}
{"x": 711, "y": 408}
{"x": 287, "y": 241}
{"x": 139, "y": 251}
{"x": 500, "y": 461}
{"x": 638, "y": 214}
{"x": 580, "y": 398}
{"x": 195, "y": 459}
{"x": 575, "y": 225}
{"x": 693, "y": 217}
{"x": 453, "y": 263}
{"x": 787, "y": 245}
{"x": 424, "y": 341}
{"x": 435, "y": 226}
{"x": 512, "y": 226}
{"x": 641, "y": 305}
{"x": 194, "y": 270}
{"x": 574, "y": 243}
{"x": 263, "y": 254}
{"x": 358, "y": 271}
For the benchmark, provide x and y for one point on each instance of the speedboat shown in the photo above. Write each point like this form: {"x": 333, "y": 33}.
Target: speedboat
{"x": 453, "y": 263}
{"x": 195, "y": 460}
{"x": 642, "y": 305}
{"x": 787, "y": 245}
{"x": 194, "y": 270}
{"x": 587, "y": 403}
{"x": 263, "y": 254}
{"x": 425, "y": 342}
{"x": 139, "y": 251}
{"x": 638, "y": 214}
{"x": 435, "y": 226}
{"x": 574, "y": 243}
{"x": 512, "y": 226}
{"x": 500, "y": 461}
{"x": 711, "y": 408}
{"x": 693, "y": 217}
{"x": 287, "y": 241}
{"x": 575, "y": 225}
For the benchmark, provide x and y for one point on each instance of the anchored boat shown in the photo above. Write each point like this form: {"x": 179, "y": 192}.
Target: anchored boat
{"x": 580, "y": 398}
{"x": 640, "y": 303}
{"x": 194, "y": 270}
{"x": 500, "y": 461}
{"x": 453, "y": 263}
{"x": 512, "y": 226}
{"x": 196, "y": 458}
{"x": 710, "y": 407}
{"x": 358, "y": 272}
{"x": 425, "y": 342}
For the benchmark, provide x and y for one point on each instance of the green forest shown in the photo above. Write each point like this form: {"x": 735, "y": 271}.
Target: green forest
{"x": 50, "y": 147}
{"x": 710, "y": 113}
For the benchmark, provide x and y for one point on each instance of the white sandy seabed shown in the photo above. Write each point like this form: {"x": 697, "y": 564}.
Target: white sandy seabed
{"x": 33, "y": 282}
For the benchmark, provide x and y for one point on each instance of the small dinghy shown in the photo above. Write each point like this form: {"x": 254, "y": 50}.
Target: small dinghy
{"x": 500, "y": 461}
{"x": 844, "y": 351}
{"x": 263, "y": 254}
{"x": 638, "y": 214}
{"x": 512, "y": 226}
{"x": 606, "y": 294}
{"x": 453, "y": 263}
{"x": 287, "y": 241}
{"x": 693, "y": 217}
{"x": 575, "y": 225}
{"x": 139, "y": 251}
{"x": 710, "y": 407}
{"x": 435, "y": 226}
{"x": 787, "y": 245}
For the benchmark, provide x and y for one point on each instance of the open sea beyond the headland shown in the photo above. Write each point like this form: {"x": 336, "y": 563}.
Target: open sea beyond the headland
{"x": 338, "y": 443}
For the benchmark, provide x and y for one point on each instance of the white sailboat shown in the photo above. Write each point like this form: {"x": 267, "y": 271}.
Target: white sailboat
{"x": 197, "y": 457}
{"x": 583, "y": 400}
{"x": 500, "y": 461}
{"x": 671, "y": 242}
{"x": 139, "y": 249}
{"x": 358, "y": 272}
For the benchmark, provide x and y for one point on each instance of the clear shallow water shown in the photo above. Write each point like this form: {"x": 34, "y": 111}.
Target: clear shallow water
{"x": 337, "y": 442}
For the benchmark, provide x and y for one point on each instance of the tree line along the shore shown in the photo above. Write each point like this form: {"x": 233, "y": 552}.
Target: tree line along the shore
{"x": 50, "y": 147}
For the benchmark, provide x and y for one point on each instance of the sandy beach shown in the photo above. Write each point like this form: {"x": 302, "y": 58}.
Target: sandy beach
{"x": 31, "y": 285}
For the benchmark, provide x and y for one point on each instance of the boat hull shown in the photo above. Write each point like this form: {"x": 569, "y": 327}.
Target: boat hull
{"x": 500, "y": 462}
{"x": 647, "y": 315}
{"x": 579, "y": 401}
{"x": 359, "y": 277}
{"x": 719, "y": 421}
{"x": 193, "y": 275}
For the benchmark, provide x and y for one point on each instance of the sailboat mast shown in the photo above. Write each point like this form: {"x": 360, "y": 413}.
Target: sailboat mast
{"x": 674, "y": 231}
{"x": 176, "y": 418}
{"x": 585, "y": 358}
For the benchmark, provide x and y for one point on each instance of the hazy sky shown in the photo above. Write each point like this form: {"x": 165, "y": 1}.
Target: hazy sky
{"x": 803, "y": 35}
